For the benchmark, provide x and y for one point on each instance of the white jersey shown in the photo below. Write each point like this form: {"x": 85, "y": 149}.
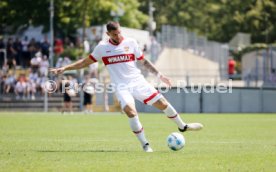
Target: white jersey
{"x": 120, "y": 60}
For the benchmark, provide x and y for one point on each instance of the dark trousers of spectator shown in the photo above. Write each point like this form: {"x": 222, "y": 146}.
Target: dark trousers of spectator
{"x": 19, "y": 59}
{"x": 25, "y": 59}
{"x": 2, "y": 60}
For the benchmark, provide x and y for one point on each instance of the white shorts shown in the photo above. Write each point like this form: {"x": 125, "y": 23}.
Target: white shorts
{"x": 141, "y": 90}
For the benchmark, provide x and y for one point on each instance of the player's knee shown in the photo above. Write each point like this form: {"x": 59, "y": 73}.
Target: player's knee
{"x": 161, "y": 104}
{"x": 130, "y": 111}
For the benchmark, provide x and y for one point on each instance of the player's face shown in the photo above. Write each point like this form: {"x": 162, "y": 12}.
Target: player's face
{"x": 115, "y": 36}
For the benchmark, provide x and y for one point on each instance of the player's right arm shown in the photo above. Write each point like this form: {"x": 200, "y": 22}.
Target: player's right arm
{"x": 82, "y": 63}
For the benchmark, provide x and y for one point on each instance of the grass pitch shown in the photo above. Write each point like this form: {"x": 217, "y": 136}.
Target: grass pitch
{"x": 104, "y": 142}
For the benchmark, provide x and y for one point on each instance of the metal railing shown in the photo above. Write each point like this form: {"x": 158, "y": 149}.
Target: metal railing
{"x": 180, "y": 37}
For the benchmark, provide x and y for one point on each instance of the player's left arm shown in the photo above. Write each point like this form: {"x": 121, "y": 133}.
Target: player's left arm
{"x": 149, "y": 66}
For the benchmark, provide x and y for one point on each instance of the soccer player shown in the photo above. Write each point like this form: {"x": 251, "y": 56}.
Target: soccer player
{"x": 120, "y": 54}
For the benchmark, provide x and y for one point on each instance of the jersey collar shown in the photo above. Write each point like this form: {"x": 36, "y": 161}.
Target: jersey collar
{"x": 114, "y": 43}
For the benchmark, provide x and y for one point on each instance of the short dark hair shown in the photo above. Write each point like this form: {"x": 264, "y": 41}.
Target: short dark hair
{"x": 110, "y": 26}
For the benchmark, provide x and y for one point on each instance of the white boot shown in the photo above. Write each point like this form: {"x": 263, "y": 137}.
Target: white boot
{"x": 147, "y": 148}
{"x": 191, "y": 127}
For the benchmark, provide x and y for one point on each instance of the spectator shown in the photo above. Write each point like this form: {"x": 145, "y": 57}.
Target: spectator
{"x": 93, "y": 70}
{"x": 40, "y": 83}
{"x": 59, "y": 62}
{"x": 44, "y": 65}
{"x": 145, "y": 49}
{"x": 272, "y": 77}
{"x": 35, "y": 61}
{"x": 11, "y": 53}
{"x": 45, "y": 45}
{"x": 31, "y": 89}
{"x": 32, "y": 48}
{"x": 9, "y": 83}
{"x": 78, "y": 42}
{"x": 154, "y": 49}
{"x": 2, "y": 57}
{"x": 33, "y": 76}
{"x": 231, "y": 68}
{"x": 58, "y": 49}
{"x": 2, "y": 83}
{"x": 20, "y": 89}
{"x": 25, "y": 52}
{"x": 86, "y": 46}
{"x": 5, "y": 69}
{"x": 66, "y": 61}
{"x": 88, "y": 94}
{"x": 67, "y": 94}
{"x": 17, "y": 45}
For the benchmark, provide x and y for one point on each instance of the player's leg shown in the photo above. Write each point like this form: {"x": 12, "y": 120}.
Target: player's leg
{"x": 136, "y": 126}
{"x": 168, "y": 109}
{"x": 128, "y": 105}
{"x": 147, "y": 94}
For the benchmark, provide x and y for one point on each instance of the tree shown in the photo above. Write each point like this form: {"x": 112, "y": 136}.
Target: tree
{"x": 69, "y": 14}
{"x": 219, "y": 20}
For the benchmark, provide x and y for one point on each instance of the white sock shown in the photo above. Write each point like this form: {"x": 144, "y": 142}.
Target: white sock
{"x": 137, "y": 129}
{"x": 173, "y": 115}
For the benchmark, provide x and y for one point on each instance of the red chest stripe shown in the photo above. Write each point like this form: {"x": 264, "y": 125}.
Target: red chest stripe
{"x": 121, "y": 58}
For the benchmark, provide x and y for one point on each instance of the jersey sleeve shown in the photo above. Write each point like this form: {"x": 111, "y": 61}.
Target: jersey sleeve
{"x": 96, "y": 54}
{"x": 138, "y": 52}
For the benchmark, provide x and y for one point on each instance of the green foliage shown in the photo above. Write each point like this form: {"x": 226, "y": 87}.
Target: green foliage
{"x": 219, "y": 20}
{"x": 237, "y": 54}
{"x": 72, "y": 53}
{"x": 69, "y": 14}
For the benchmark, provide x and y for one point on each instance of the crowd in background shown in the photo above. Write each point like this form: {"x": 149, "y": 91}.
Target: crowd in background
{"x": 31, "y": 56}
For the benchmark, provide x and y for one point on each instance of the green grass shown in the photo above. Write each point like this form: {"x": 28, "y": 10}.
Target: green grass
{"x": 103, "y": 142}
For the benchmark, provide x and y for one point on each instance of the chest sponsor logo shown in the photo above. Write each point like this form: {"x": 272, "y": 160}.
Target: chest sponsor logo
{"x": 122, "y": 58}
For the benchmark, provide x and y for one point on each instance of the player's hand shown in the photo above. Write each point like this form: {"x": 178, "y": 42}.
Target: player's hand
{"x": 57, "y": 71}
{"x": 165, "y": 80}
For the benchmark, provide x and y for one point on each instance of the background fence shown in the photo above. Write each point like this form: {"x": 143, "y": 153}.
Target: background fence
{"x": 241, "y": 100}
{"x": 180, "y": 37}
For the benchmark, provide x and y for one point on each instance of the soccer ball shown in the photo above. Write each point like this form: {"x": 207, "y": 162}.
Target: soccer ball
{"x": 176, "y": 141}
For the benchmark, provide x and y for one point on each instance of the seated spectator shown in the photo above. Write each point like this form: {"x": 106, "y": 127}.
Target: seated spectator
{"x": 33, "y": 76}
{"x": 66, "y": 61}
{"x": 20, "y": 89}
{"x": 5, "y": 69}
{"x": 59, "y": 62}
{"x": 40, "y": 82}
{"x": 2, "y": 82}
{"x": 31, "y": 89}
{"x": 9, "y": 83}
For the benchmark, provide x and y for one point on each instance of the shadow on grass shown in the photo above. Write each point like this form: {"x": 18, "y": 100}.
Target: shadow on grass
{"x": 76, "y": 151}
